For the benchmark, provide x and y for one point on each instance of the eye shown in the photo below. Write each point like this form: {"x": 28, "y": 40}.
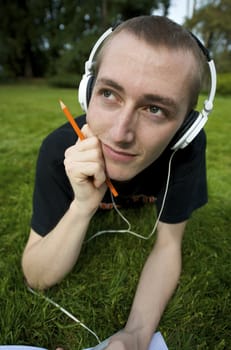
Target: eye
{"x": 156, "y": 113}
{"x": 108, "y": 96}
{"x": 107, "y": 93}
{"x": 155, "y": 109}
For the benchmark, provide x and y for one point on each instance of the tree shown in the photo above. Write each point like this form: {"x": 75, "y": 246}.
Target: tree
{"x": 212, "y": 23}
{"x": 90, "y": 18}
{"x": 39, "y": 37}
{"x": 21, "y": 38}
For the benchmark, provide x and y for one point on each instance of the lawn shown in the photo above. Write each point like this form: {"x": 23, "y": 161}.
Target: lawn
{"x": 100, "y": 288}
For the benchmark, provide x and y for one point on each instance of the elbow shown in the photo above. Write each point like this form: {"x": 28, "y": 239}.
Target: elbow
{"x": 31, "y": 276}
{"x": 35, "y": 284}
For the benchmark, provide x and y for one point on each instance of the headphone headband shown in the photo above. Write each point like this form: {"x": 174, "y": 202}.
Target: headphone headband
{"x": 89, "y": 63}
{"x": 194, "y": 122}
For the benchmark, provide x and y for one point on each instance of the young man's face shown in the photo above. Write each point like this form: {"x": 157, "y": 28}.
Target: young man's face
{"x": 139, "y": 101}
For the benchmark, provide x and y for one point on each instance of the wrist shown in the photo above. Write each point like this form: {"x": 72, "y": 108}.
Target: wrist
{"x": 82, "y": 209}
{"x": 141, "y": 335}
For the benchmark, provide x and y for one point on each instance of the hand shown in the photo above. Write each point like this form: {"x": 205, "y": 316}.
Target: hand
{"x": 123, "y": 341}
{"x": 85, "y": 168}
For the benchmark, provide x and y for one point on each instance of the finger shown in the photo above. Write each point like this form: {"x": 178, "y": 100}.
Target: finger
{"x": 80, "y": 172}
{"x": 86, "y": 144}
{"x": 92, "y": 154}
{"x": 87, "y": 131}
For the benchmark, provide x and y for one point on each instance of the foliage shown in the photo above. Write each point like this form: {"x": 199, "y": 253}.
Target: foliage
{"x": 40, "y": 37}
{"x": 100, "y": 288}
{"x": 212, "y": 23}
{"x": 65, "y": 80}
{"x": 21, "y": 37}
{"x": 224, "y": 84}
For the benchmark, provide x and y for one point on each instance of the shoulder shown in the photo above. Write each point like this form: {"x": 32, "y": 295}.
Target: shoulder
{"x": 194, "y": 149}
{"x": 61, "y": 138}
{"x": 192, "y": 155}
{"x": 197, "y": 145}
{"x": 183, "y": 158}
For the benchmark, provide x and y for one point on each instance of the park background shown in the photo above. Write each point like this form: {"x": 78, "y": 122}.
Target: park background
{"x": 43, "y": 47}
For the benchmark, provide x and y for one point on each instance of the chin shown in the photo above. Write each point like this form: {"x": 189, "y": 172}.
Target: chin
{"x": 120, "y": 175}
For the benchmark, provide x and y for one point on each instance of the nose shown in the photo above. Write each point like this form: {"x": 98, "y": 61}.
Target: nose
{"x": 124, "y": 126}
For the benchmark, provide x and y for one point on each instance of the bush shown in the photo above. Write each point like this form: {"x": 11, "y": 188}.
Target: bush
{"x": 6, "y": 76}
{"x": 224, "y": 83}
{"x": 65, "y": 80}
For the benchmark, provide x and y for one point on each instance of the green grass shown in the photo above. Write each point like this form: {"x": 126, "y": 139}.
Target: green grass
{"x": 99, "y": 290}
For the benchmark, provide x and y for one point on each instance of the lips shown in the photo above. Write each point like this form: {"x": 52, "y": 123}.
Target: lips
{"x": 117, "y": 155}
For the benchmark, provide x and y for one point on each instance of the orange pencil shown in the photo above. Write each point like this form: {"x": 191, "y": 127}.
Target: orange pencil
{"x": 82, "y": 137}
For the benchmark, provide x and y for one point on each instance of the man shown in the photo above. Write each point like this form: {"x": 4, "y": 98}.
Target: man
{"x": 147, "y": 80}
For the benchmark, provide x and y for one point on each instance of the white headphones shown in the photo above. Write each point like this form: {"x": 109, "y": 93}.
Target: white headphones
{"x": 194, "y": 122}
{"x": 86, "y": 84}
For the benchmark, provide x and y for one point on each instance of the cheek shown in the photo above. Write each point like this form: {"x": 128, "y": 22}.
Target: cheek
{"x": 154, "y": 138}
{"x": 93, "y": 120}
{"x": 97, "y": 121}
{"x": 152, "y": 152}
{"x": 155, "y": 143}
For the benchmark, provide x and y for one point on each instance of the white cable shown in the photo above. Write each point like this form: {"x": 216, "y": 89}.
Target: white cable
{"x": 128, "y": 229}
{"x": 65, "y": 312}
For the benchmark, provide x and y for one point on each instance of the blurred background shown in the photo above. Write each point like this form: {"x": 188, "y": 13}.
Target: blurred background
{"x": 51, "y": 39}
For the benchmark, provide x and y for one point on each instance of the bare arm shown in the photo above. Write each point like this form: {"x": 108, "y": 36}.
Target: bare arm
{"x": 157, "y": 282}
{"x": 47, "y": 260}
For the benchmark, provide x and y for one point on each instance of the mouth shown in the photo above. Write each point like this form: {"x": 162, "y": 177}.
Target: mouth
{"x": 117, "y": 155}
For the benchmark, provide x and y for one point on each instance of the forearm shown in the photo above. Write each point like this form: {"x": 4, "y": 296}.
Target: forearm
{"x": 157, "y": 283}
{"x": 49, "y": 259}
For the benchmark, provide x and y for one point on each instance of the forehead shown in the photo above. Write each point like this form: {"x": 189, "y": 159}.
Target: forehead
{"x": 126, "y": 42}
{"x": 128, "y": 47}
{"x": 130, "y": 59}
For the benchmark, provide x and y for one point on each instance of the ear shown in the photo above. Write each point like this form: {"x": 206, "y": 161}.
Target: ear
{"x": 87, "y": 81}
{"x": 85, "y": 90}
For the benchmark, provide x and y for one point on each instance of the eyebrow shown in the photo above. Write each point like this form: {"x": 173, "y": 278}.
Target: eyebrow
{"x": 146, "y": 98}
{"x": 111, "y": 83}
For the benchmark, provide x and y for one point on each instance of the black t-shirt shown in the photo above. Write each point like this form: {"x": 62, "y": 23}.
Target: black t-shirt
{"x": 187, "y": 187}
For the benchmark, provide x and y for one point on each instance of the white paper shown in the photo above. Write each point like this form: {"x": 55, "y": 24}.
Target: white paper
{"x": 157, "y": 343}
{"x": 20, "y": 347}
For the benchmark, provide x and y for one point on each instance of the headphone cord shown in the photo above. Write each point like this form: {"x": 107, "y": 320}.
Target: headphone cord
{"x": 65, "y": 312}
{"x": 128, "y": 229}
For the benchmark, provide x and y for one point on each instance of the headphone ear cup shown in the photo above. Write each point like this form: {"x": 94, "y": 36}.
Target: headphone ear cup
{"x": 181, "y": 135}
{"x": 89, "y": 89}
{"x": 85, "y": 90}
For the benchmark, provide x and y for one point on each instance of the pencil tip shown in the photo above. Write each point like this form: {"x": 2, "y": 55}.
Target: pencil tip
{"x": 62, "y": 104}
